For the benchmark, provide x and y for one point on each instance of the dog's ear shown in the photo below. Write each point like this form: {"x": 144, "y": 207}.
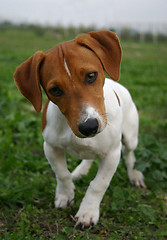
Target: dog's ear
{"x": 106, "y": 46}
{"x": 27, "y": 79}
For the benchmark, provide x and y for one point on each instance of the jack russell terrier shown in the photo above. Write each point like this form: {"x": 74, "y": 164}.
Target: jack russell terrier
{"x": 86, "y": 115}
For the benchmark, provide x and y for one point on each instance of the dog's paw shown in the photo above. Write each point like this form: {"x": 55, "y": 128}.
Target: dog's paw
{"x": 64, "y": 193}
{"x": 87, "y": 217}
{"x": 62, "y": 201}
{"x": 137, "y": 178}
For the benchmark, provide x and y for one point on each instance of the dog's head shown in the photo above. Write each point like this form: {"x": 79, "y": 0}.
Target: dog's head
{"x": 72, "y": 75}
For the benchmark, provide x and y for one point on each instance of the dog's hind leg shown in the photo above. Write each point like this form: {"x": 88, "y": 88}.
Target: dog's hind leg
{"x": 130, "y": 141}
{"x": 136, "y": 177}
{"x": 82, "y": 169}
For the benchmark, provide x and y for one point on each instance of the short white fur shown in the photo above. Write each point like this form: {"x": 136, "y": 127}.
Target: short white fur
{"x": 66, "y": 67}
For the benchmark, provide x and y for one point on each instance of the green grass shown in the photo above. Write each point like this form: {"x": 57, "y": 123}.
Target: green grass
{"x": 27, "y": 183}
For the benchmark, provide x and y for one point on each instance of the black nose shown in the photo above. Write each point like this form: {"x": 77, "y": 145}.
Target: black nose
{"x": 89, "y": 127}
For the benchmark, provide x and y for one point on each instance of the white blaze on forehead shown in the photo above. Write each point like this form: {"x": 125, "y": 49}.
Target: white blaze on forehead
{"x": 66, "y": 67}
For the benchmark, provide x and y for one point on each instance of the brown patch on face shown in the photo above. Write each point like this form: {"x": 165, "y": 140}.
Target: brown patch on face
{"x": 77, "y": 93}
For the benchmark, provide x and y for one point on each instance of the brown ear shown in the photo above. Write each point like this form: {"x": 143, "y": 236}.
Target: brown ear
{"x": 27, "y": 79}
{"x": 107, "y": 48}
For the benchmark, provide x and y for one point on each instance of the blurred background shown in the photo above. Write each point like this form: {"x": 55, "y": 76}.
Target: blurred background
{"x": 131, "y": 19}
{"x": 27, "y": 182}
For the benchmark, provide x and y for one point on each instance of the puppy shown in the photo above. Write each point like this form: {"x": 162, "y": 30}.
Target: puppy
{"x": 86, "y": 115}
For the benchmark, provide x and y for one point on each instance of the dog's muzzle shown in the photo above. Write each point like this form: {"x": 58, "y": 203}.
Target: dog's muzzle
{"x": 89, "y": 127}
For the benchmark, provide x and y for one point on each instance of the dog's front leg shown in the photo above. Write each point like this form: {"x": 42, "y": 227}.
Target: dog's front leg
{"x": 65, "y": 186}
{"x": 88, "y": 213}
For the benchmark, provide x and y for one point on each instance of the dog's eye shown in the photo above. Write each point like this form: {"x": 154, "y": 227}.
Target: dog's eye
{"x": 56, "y": 92}
{"x": 91, "y": 77}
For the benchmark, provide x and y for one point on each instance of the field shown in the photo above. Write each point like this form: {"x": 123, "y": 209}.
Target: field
{"x": 27, "y": 183}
